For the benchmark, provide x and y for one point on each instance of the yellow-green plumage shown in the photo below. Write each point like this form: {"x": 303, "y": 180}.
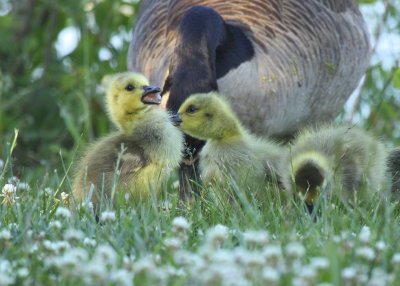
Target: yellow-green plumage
{"x": 147, "y": 145}
{"x": 346, "y": 158}
{"x": 230, "y": 149}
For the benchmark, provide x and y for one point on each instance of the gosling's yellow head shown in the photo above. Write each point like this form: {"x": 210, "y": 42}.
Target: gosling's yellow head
{"x": 129, "y": 96}
{"x": 207, "y": 116}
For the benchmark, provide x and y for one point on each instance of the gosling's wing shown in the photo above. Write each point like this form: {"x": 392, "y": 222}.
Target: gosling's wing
{"x": 131, "y": 163}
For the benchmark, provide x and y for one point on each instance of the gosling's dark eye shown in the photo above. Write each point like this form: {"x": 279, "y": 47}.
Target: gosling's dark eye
{"x": 191, "y": 109}
{"x": 129, "y": 87}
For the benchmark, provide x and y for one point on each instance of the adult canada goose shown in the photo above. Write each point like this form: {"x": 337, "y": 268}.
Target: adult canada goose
{"x": 393, "y": 163}
{"x": 291, "y": 62}
{"x": 230, "y": 150}
{"x": 139, "y": 156}
{"x": 341, "y": 157}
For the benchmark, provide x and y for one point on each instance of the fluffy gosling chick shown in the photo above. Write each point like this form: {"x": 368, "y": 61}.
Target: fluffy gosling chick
{"x": 230, "y": 149}
{"x": 143, "y": 152}
{"x": 346, "y": 155}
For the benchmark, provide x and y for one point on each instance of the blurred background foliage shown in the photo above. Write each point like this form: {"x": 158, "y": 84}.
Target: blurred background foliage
{"x": 53, "y": 55}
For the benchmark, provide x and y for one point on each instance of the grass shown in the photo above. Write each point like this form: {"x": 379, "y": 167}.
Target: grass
{"x": 46, "y": 240}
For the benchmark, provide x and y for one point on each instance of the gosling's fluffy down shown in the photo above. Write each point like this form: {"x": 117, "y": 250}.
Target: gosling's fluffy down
{"x": 139, "y": 156}
{"x": 342, "y": 157}
{"x": 230, "y": 149}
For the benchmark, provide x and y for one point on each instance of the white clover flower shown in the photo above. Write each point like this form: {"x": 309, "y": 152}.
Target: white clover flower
{"x": 5, "y": 234}
{"x": 65, "y": 198}
{"x": 94, "y": 273}
{"x": 56, "y": 246}
{"x": 396, "y": 258}
{"x": 89, "y": 242}
{"x": 48, "y": 191}
{"x": 63, "y": 213}
{"x": 55, "y": 224}
{"x": 308, "y": 273}
{"x": 320, "y": 263}
{"x": 349, "y": 273}
{"x": 122, "y": 277}
{"x": 256, "y": 237}
{"x": 13, "y": 180}
{"x": 379, "y": 277}
{"x": 250, "y": 259}
{"x": 270, "y": 276}
{"x": 13, "y": 225}
{"x": 366, "y": 252}
{"x": 8, "y": 189}
{"x": 73, "y": 234}
{"x": 105, "y": 254}
{"x": 9, "y": 194}
{"x": 144, "y": 264}
{"x": 23, "y": 186}
{"x": 295, "y": 249}
{"x": 173, "y": 243}
{"x": 180, "y": 224}
{"x": 6, "y": 273}
{"x": 73, "y": 257}
{"x": 365, "y": 234}
{"x": 22, "y": 272}
{"x": 108, "y": 216}
{"x": 193, "y": 261}
{"x": 217, "y": 234}
{"x": 272, "y": 251}
{"x": 380, "y": 245}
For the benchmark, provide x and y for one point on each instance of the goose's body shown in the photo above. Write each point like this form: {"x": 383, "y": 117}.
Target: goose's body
{"x": 141, "y": 155}
{"x": 347, "y": 159}
{"x": 230, "y": 152}
{"x": 292, "y": 62}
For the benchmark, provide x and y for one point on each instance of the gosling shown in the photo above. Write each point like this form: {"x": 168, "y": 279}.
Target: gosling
{"x": 345, "y": 157}
{"x": 140, "y": 156}
{"x": 230, "y": 150}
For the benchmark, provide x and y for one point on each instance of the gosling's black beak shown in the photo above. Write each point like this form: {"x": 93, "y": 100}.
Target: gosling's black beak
{"x": 151, "y": 95}
{"x": 176, "y": 119}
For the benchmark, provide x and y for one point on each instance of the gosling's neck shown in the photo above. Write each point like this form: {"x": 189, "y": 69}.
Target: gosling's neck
{"x": 128, "y": 121}
{"x": 229, "y": 131}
